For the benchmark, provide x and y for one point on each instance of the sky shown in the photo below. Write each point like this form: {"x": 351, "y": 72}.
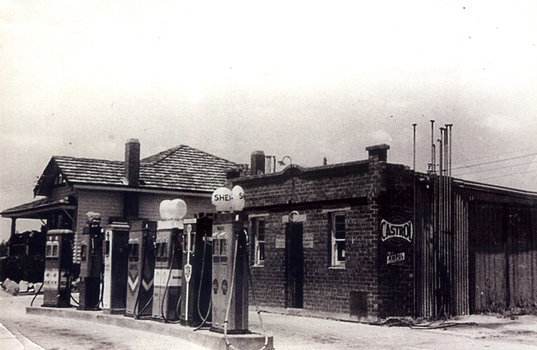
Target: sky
{"x": 303, "y": 79}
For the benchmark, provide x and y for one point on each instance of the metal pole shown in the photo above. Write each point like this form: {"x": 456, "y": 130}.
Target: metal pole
{"x": 451, "y": 223}
{"x": 433, "y": 156}
{"x": 440, "y": 224}
{"x": 414, "y": 145}
{"x": 414, "y": 218}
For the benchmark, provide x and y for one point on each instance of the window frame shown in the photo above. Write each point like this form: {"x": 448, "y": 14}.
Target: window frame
{"x": 334, "y": 246}
{"x": 259, "y": 245}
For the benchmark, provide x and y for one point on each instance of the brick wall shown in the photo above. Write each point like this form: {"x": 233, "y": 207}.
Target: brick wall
{"x": 361, "y": 190}
{"x": 396, "y": 280}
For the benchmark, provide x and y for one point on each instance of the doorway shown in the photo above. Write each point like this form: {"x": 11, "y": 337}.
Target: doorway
{"x": 295, "y": 265}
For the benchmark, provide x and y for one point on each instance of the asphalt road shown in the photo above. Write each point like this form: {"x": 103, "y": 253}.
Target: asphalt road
{"x": 25, "y": 331}
{"x": 53, "y": 333}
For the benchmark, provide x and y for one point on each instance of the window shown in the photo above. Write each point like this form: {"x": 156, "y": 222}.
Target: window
{"x": 259, "y": 240}
{"x": 338, "y": 239}
{"x": 55, "y": 249}
{"x": 48, "y": 251}
{"x": 134, "y": 249}
{"x": 161, "y": 251}
{"x": 59, "y": 179}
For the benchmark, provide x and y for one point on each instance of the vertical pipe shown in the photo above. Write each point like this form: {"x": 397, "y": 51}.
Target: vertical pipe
{"x": 440, "y": 230}
{"x": 432, "y": 247}
{"x": 414, "y": 216}
{"x": 441, "y": 171}
{"x": 447, "y": 230}
{"x": 433, "y": 156}
{"x": 414, "y": 146}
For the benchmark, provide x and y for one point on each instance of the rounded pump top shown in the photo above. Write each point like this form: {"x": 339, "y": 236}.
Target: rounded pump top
{"x": 226, "y": 200}
{"x": 172, "y": 209}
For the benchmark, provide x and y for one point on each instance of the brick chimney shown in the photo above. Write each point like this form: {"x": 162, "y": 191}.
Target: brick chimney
{"x": 258, "y": 162}
{"x": 380, "y": 151}
{"x": 131, "y": 200}
{"x": 132, "y": 162}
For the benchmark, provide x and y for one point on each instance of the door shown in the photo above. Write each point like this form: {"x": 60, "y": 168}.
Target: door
{"x": 295, "y": 265}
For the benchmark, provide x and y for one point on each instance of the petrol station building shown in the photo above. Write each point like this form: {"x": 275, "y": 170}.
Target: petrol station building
{"x": 363, "y": 240}
{"x": 121, "y": 191}
{"x": 369, "y": 239}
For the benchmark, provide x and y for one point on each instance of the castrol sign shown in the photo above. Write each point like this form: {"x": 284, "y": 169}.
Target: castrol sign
{"x": 389, "y": 230}
{"x": 396, "y": 233}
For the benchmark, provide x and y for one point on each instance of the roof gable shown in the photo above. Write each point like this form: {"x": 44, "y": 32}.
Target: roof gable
{"x": 184, "y": 168}
{"x": 179, "y": 168}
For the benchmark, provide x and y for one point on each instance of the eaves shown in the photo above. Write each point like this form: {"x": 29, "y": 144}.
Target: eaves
{"x": 120, "y": 188}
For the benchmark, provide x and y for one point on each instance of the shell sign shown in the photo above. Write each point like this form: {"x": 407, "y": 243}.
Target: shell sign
{"x": 226, "y": 200}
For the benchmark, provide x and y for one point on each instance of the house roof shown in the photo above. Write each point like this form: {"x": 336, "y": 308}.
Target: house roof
{"x": 34, "y": 209}
{"x": 181, "y": 168}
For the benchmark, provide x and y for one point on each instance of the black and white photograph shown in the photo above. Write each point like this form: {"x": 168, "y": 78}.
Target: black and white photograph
{"x": 248, "y": 175}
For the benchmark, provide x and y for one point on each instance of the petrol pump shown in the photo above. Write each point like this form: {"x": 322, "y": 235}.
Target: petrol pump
{"x": 91, "y": 242}
{"x": 141, "y": 268}
{"x": 58, "y": 264}
{"x": 168, "y": 261}
{"x": 197, "y": 267}
{"x": 230, "y": 266}
{"x": 116, "y": 237}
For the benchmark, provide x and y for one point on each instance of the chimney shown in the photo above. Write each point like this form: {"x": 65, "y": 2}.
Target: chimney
{"x": 258, "y": 162}
{"x": 380, "y": 151}
{"x": 132, "y": 162}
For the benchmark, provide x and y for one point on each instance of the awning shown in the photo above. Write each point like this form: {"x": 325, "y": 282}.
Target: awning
{"x": 39, "y": 208}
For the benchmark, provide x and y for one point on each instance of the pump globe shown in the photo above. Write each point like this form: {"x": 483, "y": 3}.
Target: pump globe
{"x": 238, "y": 198}
{"x": 221, "y": 199}
{"x": 178, "y": 209}
{"x": 165, "y": 209}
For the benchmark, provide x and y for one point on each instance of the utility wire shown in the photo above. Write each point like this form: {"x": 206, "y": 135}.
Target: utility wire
{"x": 492, "y": 162}
{"x": 492, "y": 169}
{"x": 504, "y": 175}
{"x": 494, "y": 156}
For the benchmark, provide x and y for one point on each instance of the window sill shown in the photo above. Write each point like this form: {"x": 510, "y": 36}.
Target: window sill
{"x": 255, "y": 266}
{"x": 339, "y": 267}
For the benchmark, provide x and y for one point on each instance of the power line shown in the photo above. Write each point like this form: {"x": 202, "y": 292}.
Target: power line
{"x": 494, "y": 161}
{"x": 492, "y": 169}
{"x": 504, "y": 175}
{"x": 484, "y": 157}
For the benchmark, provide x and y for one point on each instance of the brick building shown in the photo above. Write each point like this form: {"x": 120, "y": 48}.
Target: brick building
{"x": 316, "y": 237}
{"x": 362, "y": 241}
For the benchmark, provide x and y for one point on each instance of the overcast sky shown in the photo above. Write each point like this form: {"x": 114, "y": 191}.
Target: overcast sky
{"x": 303, "y": 79}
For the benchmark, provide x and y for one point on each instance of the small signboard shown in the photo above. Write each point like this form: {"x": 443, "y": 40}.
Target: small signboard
{"x": 188, "y": 272}
{"x": 280, "y": 241}
{"x": 391, "y": 259}
{"x": 308, "y": 240}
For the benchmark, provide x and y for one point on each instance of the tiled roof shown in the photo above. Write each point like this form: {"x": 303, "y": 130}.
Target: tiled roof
{"x": 94, "y": 171}
{"x": 180, "y": 168}
{"x": 31, "y": 210}
{"x": 184, "y": 168}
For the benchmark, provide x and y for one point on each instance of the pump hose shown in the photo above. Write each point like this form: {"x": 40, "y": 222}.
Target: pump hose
{"x": 102, "y": 286}
{"x": 70, "y": 286}
{"x": 73, "y": 299}
{"x": 166, "y": 290}
{"x": 226, "y": 320}
{"x": 145, "y": 307}
{"x": 250, "y": 278}
{"x": 137, "y": 302}
{"x": 36, "y": 293}
{"x": 203, "y": 319}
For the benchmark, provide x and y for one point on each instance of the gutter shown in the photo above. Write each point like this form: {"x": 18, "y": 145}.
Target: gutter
{"x": 142, "y": 190}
